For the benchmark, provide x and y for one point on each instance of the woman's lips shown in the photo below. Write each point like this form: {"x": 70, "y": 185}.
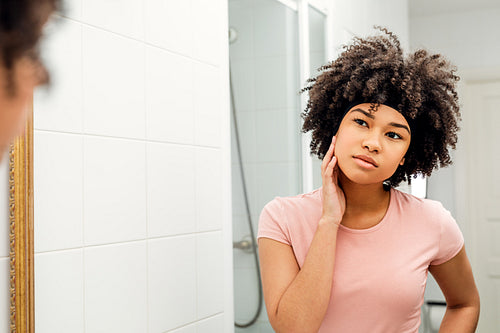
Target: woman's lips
{"x": 365, "y": 161}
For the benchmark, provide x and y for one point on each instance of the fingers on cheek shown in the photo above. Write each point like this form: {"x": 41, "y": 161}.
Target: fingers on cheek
{"x": 334, "y": 161}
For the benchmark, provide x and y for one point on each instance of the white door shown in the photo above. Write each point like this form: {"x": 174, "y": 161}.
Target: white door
{"x": 481, "y": 115}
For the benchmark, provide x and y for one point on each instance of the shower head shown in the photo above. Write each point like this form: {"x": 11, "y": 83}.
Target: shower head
{"x": 232, "y": 35}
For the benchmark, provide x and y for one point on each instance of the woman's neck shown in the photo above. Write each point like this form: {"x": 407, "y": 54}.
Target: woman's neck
{"x": 366, "y": 205}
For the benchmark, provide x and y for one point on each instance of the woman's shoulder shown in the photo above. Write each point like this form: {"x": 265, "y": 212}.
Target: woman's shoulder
{"x": 420, "y": 207}
{"x": 299, "y": 201}
{"x": 411, "y": 200}
{"x": 289, "y": 219}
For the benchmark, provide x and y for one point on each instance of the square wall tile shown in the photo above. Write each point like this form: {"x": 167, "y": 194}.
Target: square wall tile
{"x": 208, "y": 105}
{"x": 210, "y": 35}
{"x": 4, "y": 295}
{"x": 113, "y": 85}
{"x": 59, "y": 106}
{"x": 124, "y": 17}
{"x": 58, "y": 190}
{"x": 169, "y": 24}
{"x": 114, "y": 190}
{"x": 59, "y": 290}
{"x": 208, "y": 189}
{"x": 210, "y": 274}
{"x": 4, "y": 207}
{"x": 116, "y": 288}
{"x": 171, "y": 189}
{"x": 169, "y": 97}
{"x": 172, "y": 282}
{"x": 211, "y": 325}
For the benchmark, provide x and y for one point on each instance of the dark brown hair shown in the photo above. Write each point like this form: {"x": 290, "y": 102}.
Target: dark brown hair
{"x": 21, "y": 23}
{"x": 421, "y": 86}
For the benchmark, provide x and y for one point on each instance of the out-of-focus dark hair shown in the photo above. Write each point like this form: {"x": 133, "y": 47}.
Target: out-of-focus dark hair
{"x": 21, "y": 25}
{"x": 421, "y": 86}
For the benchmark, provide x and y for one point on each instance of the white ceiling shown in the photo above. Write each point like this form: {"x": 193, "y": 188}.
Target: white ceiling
{"x": 429, "y": 7}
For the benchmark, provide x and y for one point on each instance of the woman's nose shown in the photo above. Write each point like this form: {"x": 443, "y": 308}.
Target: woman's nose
{"x": 372, "y": 142}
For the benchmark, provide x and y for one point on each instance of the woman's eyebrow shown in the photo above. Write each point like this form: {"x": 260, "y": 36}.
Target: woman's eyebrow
{"x": 400, "y": 126}
{"x": 371, "y": 116}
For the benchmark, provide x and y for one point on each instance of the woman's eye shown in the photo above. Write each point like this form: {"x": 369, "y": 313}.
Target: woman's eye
{"x": 393, "y": 135}
{"x": 360, "y": 122}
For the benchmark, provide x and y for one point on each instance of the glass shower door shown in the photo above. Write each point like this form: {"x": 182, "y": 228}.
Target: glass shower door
{"x": 265, "y": 86}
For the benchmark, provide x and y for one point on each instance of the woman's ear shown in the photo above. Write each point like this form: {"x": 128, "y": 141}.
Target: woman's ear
{"x": 402, "y": 161}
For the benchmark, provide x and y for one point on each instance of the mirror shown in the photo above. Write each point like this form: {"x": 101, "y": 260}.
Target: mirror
{"x": 110, "y": 68}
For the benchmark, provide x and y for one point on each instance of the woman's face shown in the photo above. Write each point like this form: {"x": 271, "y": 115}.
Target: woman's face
{"x": 13, "y": 105}
{"x": 371, "y": 144}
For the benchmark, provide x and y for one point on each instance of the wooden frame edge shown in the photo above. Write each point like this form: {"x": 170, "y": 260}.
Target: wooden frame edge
{"x": 22, "y": 305}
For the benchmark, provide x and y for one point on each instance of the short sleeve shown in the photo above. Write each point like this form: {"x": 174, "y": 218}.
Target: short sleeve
{"x": 451, "y": 239}
{"x": 272, "y": 223}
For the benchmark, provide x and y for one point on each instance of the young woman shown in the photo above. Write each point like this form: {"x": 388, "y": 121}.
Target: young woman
{"x": 353, "y": 256}
{"x": 21, "y": 23}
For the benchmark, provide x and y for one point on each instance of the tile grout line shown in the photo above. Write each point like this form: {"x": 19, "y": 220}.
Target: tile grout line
{"x": 172, "y": 330}
{"x": 131, "y": 241}
{"x": 146, "y": 188}
{"x": 83, "y": 175}
{"x": 147, "y": 140}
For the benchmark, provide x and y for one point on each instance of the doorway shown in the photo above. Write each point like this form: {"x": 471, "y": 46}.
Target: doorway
{"x": 478, "y": 193}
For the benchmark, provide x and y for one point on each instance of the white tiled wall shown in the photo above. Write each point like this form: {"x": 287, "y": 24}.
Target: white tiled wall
{"x": 132, "y": 195}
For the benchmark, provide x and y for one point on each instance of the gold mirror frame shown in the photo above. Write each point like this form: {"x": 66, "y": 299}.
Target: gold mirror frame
{"x": 22, "y": 305}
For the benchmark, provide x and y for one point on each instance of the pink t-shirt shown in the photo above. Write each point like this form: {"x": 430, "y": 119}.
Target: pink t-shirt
{"x": 380, "y": 272}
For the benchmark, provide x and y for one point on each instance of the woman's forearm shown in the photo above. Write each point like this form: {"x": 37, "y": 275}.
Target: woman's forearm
{"x": 304, "y": 303}
{"x": 462, "y": 319}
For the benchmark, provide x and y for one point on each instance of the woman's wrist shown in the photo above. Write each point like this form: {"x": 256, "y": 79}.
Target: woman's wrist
{"x": 330, "y": 221}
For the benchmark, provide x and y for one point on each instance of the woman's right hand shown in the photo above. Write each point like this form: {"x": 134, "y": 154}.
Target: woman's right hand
{"x": 333, "y": 196}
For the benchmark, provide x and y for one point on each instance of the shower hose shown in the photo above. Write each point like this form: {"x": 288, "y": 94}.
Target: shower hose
{"x": 247, "y": 207}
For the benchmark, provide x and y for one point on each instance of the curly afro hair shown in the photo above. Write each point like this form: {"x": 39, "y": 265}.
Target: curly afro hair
{"x": 421, "y": 86}
{"x": 21, "y": 23}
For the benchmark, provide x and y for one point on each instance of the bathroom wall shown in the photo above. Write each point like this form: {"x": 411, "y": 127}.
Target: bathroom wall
{"x": 132, "y": 178}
